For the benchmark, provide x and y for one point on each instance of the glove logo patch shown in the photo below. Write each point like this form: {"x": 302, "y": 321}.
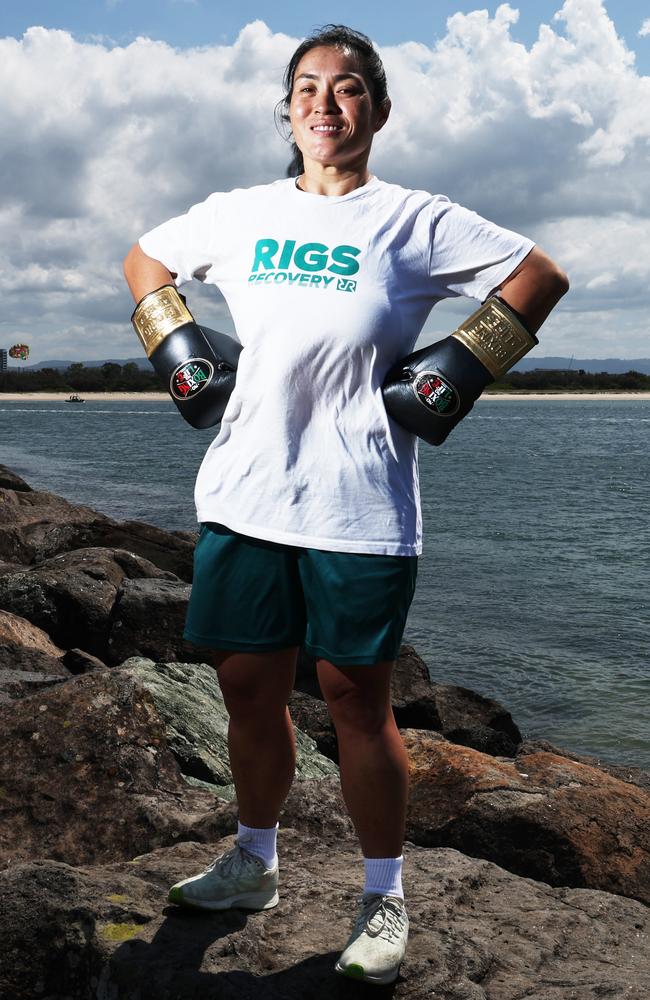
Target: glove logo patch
{"x": 188, "y": 379}
{"x": 437, "y": 394}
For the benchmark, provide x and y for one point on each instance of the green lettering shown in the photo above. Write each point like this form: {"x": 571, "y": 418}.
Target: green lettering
{"x": 345, "y": 264}
{"x": 287, "y": 253}
{"x": 311, "y": 257}
{"x": 264, "y": 250}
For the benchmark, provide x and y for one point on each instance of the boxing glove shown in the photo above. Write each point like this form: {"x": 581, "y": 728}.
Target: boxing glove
{"x": 430, "y": 391}
{"x": 198, "y": 365}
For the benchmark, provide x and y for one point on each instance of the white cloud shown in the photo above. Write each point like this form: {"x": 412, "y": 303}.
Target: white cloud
{"x": 100, "y": 142}
{"x": 645, "y": 28}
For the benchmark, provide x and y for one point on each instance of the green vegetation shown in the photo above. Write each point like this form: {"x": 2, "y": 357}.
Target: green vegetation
{"x": 110, "y": 377}
{"x": 554, "y": 380}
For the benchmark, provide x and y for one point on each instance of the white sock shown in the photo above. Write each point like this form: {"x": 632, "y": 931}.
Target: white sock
{"x": 384, "y": 875}
{"x": 260, "y": 842}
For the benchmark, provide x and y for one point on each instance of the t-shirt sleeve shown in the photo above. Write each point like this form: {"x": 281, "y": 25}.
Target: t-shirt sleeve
{"x": 470, "y": 255}
{"x": 186, "y": 244}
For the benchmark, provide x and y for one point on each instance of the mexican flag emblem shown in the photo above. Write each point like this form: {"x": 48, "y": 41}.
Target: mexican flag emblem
{"x": 436, "y": 393}
{"x": 189, "y": 378}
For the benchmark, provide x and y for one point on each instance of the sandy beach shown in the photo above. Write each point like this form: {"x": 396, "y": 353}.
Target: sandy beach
{"x": 162, "y": 397}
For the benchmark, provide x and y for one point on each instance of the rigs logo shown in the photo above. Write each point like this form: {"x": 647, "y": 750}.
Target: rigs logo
{"x": 309, "y": 265}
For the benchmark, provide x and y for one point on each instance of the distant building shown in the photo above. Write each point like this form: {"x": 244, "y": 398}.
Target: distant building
{"x": 3, "y": 360}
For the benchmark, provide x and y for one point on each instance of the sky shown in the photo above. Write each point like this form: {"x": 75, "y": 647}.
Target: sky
{"x": 119, "y": 114}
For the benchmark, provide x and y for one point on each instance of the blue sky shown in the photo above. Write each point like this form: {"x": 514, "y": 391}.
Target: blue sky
{"x": 188, "y": 23}
{"x": 118, "y": 114}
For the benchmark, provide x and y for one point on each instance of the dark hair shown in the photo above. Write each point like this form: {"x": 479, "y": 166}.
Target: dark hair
{"x": 337, "y": 36}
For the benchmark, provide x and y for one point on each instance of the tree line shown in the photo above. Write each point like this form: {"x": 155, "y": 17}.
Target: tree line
{"x": 547, "y": 380}
{"x": 113, "y": 377}
{"x": 109, "y": 377}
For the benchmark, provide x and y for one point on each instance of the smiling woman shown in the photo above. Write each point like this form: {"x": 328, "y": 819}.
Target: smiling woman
{"x": 336, "y": 89}
{"x": 309, "y": 494}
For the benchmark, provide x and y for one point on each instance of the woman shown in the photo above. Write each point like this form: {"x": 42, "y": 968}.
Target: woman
{"x": 308, "y": 496}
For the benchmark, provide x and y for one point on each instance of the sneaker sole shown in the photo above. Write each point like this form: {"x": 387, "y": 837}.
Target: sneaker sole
{"x": 356, "y": 971}
{"x": 248, "y": 901}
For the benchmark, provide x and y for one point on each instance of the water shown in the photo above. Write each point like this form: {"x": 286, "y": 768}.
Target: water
{"x": 533, "y": 584}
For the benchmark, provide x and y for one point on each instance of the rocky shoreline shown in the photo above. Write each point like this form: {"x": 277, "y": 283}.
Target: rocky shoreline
{"x": 527, "y": 867}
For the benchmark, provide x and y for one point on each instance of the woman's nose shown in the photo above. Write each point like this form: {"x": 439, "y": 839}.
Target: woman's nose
{"x": 326, "y": 102}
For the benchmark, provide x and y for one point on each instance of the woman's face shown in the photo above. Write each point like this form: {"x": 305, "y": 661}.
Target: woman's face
{"x": 331, "y": 111}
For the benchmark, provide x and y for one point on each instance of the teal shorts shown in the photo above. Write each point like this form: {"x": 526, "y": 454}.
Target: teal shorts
{"x": 252, "y": 595}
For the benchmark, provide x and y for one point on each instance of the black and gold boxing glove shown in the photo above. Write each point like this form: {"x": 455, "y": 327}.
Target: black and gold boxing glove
{"x": 430, "y": 391}
{"x": 198, "y": 365}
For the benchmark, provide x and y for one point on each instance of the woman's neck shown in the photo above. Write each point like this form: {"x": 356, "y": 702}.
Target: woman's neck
{"x": 331, "y": 181}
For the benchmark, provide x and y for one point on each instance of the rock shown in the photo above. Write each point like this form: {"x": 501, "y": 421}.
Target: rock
{"x": 17, "y": 657}
{"x": 10, "y": 480}
{"x": 477, "y": 932}
{"x": 72, "y": 595}
{"x": 463, "y": 716}
{"x": 148, "y": 620}
{"x": 312, "y": 716}
{"x": 89, "y": 776}
{"x": 558, "y": 821}
{"x": 39, "y": 525}
{"x": 18, "y": 683}
{"x": 189, "y": 700}
{"x": 306, "y": 677}
{"x": 473, "y": 720}
{"x": 624, "y": 772}
{"x": 413, "y": 695}
{"x": 14, "y": 629}
{"x": 316, "y": 806}
{"x": 79, "y": 662}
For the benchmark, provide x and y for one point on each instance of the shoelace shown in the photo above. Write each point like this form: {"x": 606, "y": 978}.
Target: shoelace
{"x": 381, "y": 917}
{"x": 236, "y": 855}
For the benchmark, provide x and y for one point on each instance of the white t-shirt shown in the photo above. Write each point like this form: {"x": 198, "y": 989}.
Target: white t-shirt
{"x": 326, "y": 294}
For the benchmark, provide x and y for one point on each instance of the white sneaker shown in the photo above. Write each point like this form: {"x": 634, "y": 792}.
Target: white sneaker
{"x": 236, "y": 879}
{"x": 377, "y": 944}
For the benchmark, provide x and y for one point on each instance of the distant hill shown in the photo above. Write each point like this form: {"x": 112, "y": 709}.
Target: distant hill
{"x": 615, "y": 366}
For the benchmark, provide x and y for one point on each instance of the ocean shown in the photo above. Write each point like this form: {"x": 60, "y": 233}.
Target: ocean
{"x": 533, "y": 584}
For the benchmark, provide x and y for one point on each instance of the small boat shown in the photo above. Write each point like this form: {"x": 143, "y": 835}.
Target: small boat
{"x": 74, "y": 398}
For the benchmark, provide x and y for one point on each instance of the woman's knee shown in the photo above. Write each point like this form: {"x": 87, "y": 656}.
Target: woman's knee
{"x": 357, "y": 697}
{"x": 255, "y": 685}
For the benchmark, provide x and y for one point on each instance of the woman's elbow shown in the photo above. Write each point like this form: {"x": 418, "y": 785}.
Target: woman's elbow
{"x": 130, "y": 260}
{"x": 560, "y": 282}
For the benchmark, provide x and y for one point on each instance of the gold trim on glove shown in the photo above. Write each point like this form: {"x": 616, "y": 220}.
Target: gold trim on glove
{"x": 496, "y": 337}
{"x": 157, "y": 315}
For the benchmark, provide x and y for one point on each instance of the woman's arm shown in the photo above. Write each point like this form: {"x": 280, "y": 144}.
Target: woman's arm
{"x": 144, "y": 274}
{"x": 534, "y": 288}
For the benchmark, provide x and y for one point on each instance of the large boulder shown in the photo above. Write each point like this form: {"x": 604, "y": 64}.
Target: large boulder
{"x": 10, "y": 480}
{"x": 28, "y": 658}
{"x": 188, "y": 698}
{"x": 87, "y": 775}
{"x": 541, "y": 816}
{"x": 624, "y": 772}
{"x": 71, "y": 595}
{"x": 37, "y": 525}
{"x": 477, "y": 932}
{"x": 148, "y": 620}
{"x": 20, "y": 631}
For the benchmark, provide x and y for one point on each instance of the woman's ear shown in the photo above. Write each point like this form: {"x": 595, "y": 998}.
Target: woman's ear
{"x": 382, "y": 114}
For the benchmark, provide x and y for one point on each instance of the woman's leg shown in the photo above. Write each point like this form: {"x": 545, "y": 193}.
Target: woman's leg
{"x": 372, "y": 757}
{"x": 261, "y": 742}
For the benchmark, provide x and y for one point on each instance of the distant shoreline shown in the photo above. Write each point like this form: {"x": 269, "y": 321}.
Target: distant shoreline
{"x": 163, "y": 397}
